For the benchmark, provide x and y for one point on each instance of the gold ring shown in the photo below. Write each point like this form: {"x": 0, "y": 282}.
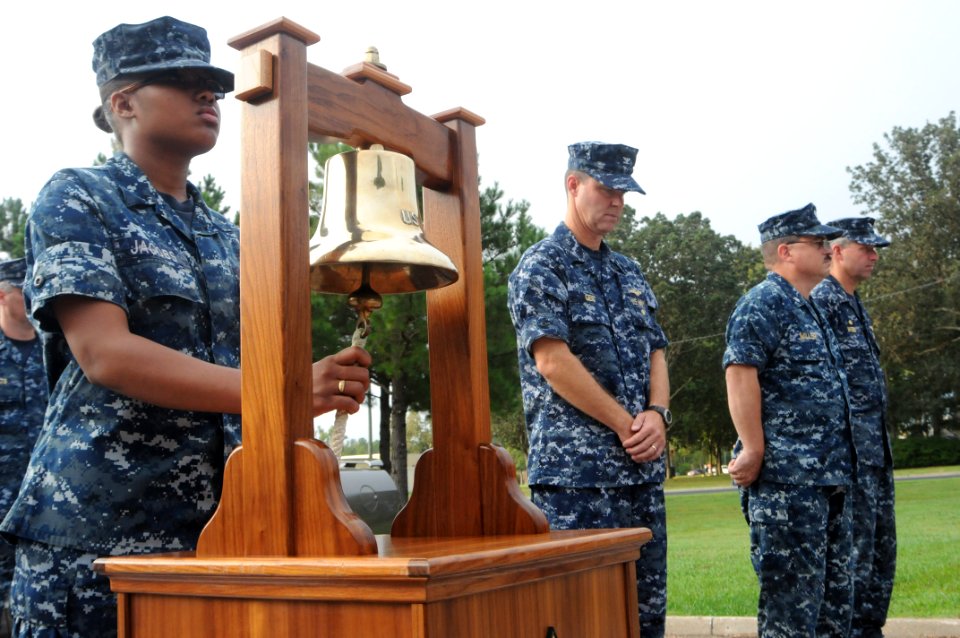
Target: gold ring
{"x": 342, "y": 386}
{"x": 654, "y": 447}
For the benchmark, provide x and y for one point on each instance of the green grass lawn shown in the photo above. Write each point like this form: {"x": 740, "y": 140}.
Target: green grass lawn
{"x": 709, "y": 566}
{"x": 928, "y": 550}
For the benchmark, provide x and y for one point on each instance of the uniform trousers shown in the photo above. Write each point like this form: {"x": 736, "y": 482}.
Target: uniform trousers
{"x": 874, "y": 549}
{"x": 56, "y": 594}
{"x": 800, "y": 547}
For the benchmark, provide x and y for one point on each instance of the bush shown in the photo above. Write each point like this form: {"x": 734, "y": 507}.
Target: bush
{"x": 925, "y": 452}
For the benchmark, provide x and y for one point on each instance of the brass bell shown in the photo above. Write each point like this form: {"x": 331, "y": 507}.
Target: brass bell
{"x": 370, "y": 233}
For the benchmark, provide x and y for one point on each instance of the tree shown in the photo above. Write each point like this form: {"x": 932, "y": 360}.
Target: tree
{"x": 13, "y": 220}
{"x": 506, "y": 232}
{"x": 213, "y": 195}
{"x": 419, "y": 432}
{"x": 912, "y": 187}
{"x": 401, "y": 368}
{"x": 697, "y": 276}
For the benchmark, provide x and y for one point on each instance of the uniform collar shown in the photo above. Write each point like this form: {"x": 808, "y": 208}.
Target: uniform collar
{"x": 135, "y": 188}
{"x": 830, "y": 280}
{"x": 138, "y": 193}
{"x": 787, "y": 288}
{"x": 581, "y": 253}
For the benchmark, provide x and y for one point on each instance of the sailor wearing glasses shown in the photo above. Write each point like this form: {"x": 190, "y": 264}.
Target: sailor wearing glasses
{"x": 788, "y": 400}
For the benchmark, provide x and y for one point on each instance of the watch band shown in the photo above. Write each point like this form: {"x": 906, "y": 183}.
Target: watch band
{"x": 663, "y": 412}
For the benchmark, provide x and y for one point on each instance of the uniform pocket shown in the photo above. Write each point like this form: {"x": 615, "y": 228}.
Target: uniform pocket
{"x": 153, "y": 277}
{"x": 768, "y": 507}
{"x": 806, "y": 347}
{"x": 587, "y": 308}
{"x": 591, "y": 337}
{"x": 9, "y": 391}
{"x": 641, "y": 311}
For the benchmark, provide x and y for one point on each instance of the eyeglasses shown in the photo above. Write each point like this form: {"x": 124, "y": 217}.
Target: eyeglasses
{"x": 180, "y": 80}
{"x": 820, "y": 243}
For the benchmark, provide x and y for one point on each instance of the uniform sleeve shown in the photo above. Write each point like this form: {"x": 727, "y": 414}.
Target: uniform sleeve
{"x": 658, "y": 339}
{"x": 537, "y": 298}
{"x": 751, "y": 335}
{"x": 68, "y": 250}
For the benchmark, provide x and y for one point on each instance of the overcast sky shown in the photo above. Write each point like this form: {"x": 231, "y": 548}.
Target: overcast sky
{"x": 740, "y": 110}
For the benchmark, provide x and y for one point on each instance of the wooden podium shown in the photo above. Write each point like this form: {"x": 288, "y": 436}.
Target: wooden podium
{"x": 284, "y": 556}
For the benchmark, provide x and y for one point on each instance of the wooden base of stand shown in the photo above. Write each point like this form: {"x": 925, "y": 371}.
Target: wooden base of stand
{"x": 577, "y": 583}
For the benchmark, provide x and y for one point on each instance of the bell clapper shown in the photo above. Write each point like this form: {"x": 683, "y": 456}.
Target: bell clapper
{"x": 364, "y": 300}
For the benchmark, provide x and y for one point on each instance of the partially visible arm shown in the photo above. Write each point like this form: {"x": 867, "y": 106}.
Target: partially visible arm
{"x": 569, "y": 378}
{"x": 111, "y": 356}
{"x": 659, "y": 380}
{"x": 743, "y": 399}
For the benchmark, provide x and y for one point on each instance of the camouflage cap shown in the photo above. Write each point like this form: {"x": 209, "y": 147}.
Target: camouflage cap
{"x": 802, "y": 221}
{"x": 159, "y": 45}
{"x": 609, "y": 164}
{"x": 13, "y": 271}
{"x": 860, "y": 230}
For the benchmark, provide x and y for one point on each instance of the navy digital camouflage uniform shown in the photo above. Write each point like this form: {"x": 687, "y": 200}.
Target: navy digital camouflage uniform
{"x": 874, "y": 527}
{"x": 110, "y": 474}
{"x": 797, "y": 509}
{"x": 601, "y": 305}
{"x": 23, "y": 399}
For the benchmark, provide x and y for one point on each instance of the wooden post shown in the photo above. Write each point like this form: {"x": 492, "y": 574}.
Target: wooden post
{"x": 282, "y": 494}
{"x": 463, "y": 486}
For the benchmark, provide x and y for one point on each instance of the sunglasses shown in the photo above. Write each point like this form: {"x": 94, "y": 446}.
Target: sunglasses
{"x": 180, "y": 80}
{"x": 816, "y": 243}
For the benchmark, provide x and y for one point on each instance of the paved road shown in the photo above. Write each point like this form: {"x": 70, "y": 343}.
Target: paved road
{"x": 730, "y": 488}
{"x": 740, "y": 627}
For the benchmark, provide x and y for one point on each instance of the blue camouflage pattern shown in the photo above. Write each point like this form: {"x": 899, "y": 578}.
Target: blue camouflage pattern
{"x": 57, "y": 594}
{"x": 874, "y": 530}
{"x": 110, "y": 474}
{"x": 600, "y": 304}
{"x": 874, "y": 549}
{"x": 158, "y": 45}
{"x": 13, "y": 271}
{"x": 803, "y": 388}
{"x": 609, "y": 164}
{"x": 617, "y": 507}
{"x": 800, "y": 548}
{"x": 802, "y": 221}
{"x": 798, "y": 509}
{"x": 607, "y": 318}
{"x": 867, "y": 384}
{"x": 23, "y": 400}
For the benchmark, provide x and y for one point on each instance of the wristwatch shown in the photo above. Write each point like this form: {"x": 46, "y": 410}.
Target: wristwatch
{"x": 664, "y": 412}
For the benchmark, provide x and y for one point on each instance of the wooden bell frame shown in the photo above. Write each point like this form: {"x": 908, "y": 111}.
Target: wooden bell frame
{"x": 469, "y": 555}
